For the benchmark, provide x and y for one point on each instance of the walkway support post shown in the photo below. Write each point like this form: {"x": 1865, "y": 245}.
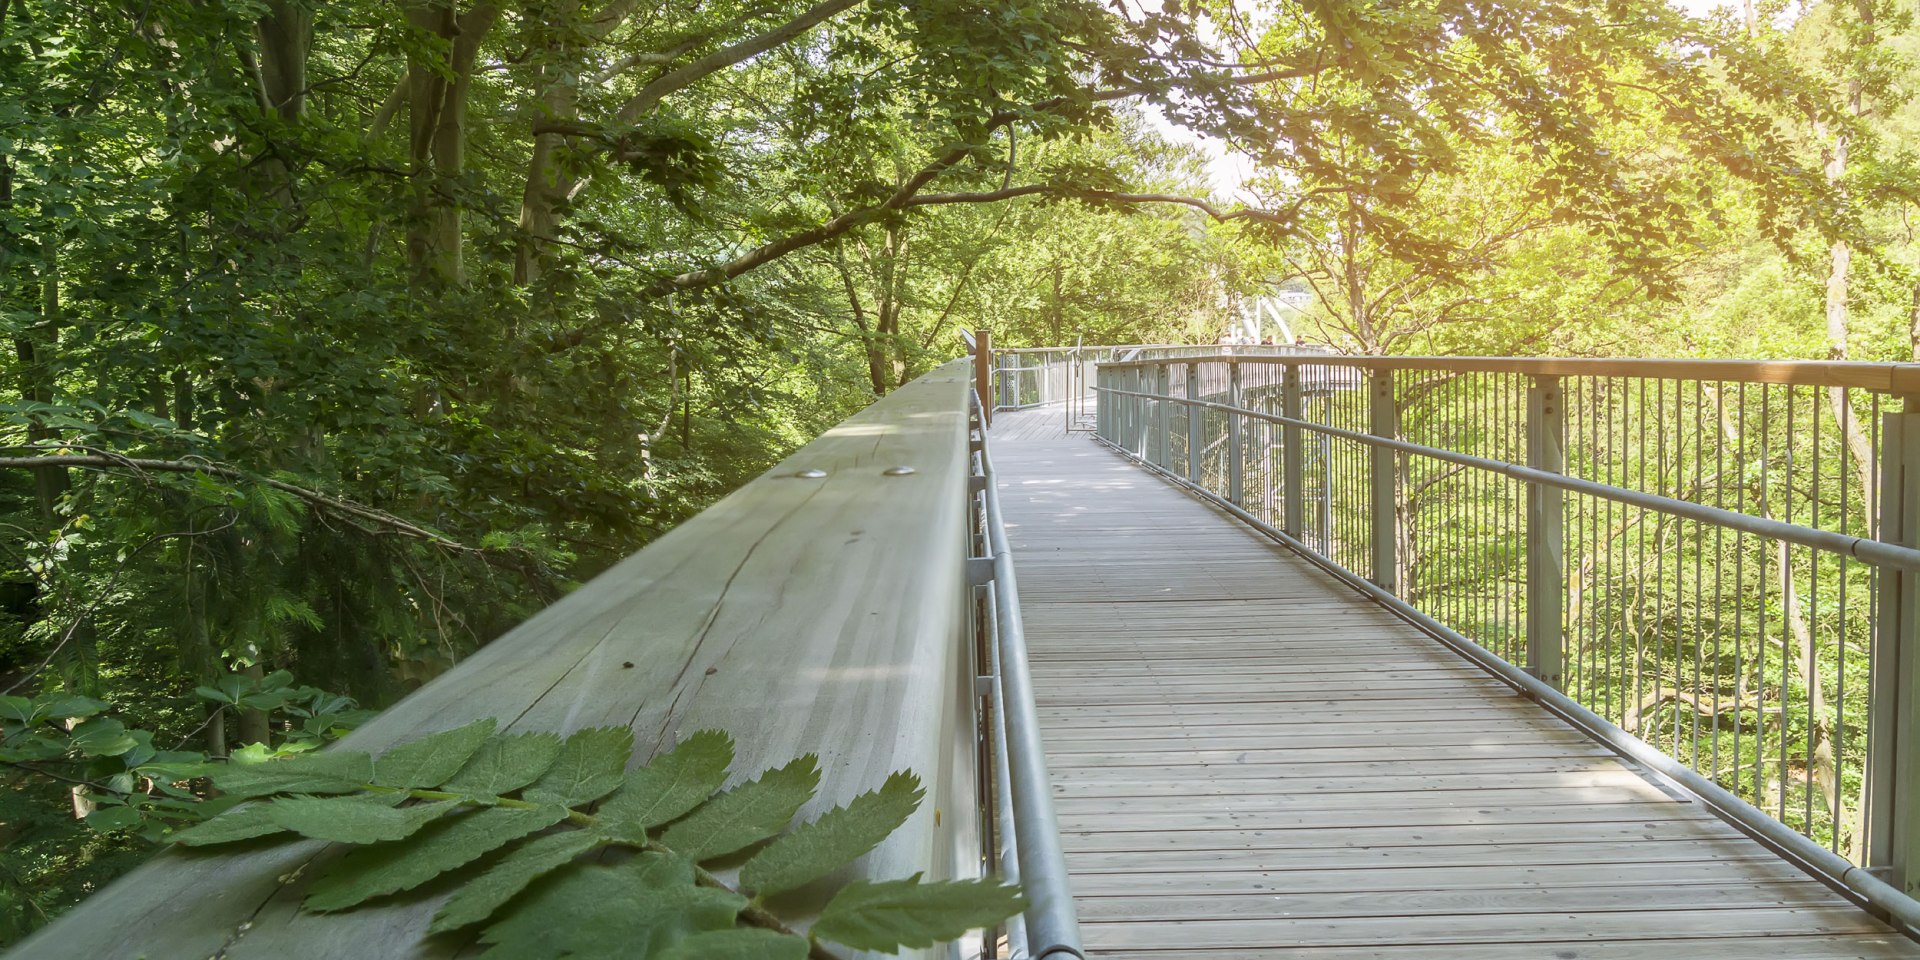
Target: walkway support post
{"x": 1236, "y": 455}
{"x": 1546, "y": 548}
{"x": 1292, "y": 457}
{"x": 1384, "y": 421}
{"x": 1163, "y": 416}
{"x": 1893, "y": 733}
{"x": 983, "y": 374}
{"x": 1196, "y": 423}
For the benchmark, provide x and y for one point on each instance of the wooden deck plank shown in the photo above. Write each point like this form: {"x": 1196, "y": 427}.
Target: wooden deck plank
{"x": 1251, "y": 760}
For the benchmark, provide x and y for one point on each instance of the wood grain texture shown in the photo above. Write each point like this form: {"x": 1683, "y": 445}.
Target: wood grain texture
{"x": 1250, "y": 760}
{"x": 798, "y": 614}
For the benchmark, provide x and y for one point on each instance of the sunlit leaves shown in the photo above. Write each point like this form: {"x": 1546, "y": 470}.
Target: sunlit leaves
{"x": 747, "y": 814}
{"x": 908, "y": 913}
{"x": 835, "y": 840}
{"x": 674, "y": 783}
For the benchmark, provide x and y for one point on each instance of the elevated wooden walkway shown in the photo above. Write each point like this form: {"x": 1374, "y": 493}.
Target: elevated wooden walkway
{"x": 1252, "y": 760}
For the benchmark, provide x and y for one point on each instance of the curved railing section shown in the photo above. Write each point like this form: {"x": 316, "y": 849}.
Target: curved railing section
{"x": 1710, "y": 565}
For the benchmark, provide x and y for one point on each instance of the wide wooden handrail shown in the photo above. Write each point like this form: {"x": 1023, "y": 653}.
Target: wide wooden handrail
{"x": 802, "y": 613}
{"x": 1893, "y": 378}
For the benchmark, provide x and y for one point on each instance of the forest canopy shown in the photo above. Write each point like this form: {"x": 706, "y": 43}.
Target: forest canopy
{"x": 344, "y": 336}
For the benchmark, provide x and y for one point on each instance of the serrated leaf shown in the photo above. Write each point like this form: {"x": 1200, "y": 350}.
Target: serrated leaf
{"x": 747, "y": 814}
{"x": 506, "y": 763}
{"x": 333, "y": 771}
{"x": 433, "y": 759}
{"x": 481, "y": 896}
{"x": 745, "y": 943}
{"x": 351, "y": 820}
{"x": 240, "y": 823}
{"x": 612, "y": 913}
{"x": 255, "y": 820}
{"x": 666, "y": 789}
{"x": 839, "y": 837}
{"x": 591, "y": 764}
{"x": 907, "y": 913}
{"x": 441, "y": 846}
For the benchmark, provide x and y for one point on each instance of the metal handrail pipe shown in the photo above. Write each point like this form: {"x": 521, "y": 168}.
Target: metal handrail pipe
{"x": 1894, "y": 378}
{"x": 1053, "y": 929}
{"x": 1007, "y": 830}
{"x": 1867, "y": 550}
{"x": 1857, "y": 882}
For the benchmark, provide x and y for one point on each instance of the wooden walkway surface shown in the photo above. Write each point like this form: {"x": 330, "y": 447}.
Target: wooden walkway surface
{"x": 1251, "y": 760}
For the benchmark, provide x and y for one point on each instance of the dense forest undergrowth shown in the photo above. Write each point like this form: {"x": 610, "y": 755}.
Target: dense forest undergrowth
{"x": 346, "y": 336}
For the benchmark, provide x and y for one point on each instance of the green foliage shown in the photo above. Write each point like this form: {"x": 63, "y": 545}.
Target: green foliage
{"x": 520, "y": 861}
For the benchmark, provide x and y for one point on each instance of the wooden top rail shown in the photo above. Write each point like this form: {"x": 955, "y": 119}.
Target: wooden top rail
{"x": 1894, "y": 378}
{"x": 801, "y": 615}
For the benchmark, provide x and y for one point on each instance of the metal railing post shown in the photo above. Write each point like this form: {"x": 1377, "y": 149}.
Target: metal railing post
{"x": 983, "y": 373}
{"x": 1292, "y": 456}
{"x": 1236, "y": 453}
{"x": 1384, "y": 421}
{"x": 1893, "y": 731}
{"x": 1163, "y": 416}
{"x": 1196, "y": 420}
{"x": 1546, "y": 577}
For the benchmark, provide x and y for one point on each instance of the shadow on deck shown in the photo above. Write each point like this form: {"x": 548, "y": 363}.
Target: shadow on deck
{"x": 1252, "y": 760}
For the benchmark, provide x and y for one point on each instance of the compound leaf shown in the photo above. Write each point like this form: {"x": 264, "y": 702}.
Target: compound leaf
{"x": 482, "y": 895}
{"x": 332, "y": 771}
{"x": 441, "y": 846}
{"x": 747, "y": 814}
{"x": 257, "y": 820}
{"x": 666, "y": 789}
{"x": 433, "y": 759}
{"x": 839, "y": 837}
{"x": 352, "y": 820}
{"x": 591, "y": 764}
{"x": 612, "y": 913}
{"x": 506, "y": 763}
{"x": 907, "y": 913}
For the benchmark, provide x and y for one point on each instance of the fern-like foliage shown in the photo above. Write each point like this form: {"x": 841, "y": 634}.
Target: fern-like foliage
{"x": 519, "y": 814}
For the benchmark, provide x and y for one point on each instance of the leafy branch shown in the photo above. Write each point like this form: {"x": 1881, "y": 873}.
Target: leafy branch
{"x": 538, "y": 808}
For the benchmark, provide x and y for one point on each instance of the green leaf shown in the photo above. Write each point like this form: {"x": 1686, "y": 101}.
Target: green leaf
{"x": 907, "y": 913}
{"x": 747, "y": 814}
{"x": 480, "y": 897}
{"x": 351, "y": 820}
{"x": 666, "y": 789}
{"x": 449, "y": 843}
{"x": 110, "y": 819}
{"x": 256, "y": 820}
{"x": 506, "y": 763}
{"x": 612, "y": 913}
{"x": 590, "y": 766}
{"x": 746, "y": 943}
{"x": 67, "y": 706}
{"x": 103, "y": 737}
{"x": 839, "y": 837}
{"x": 334, "y": 771}
{"x": 433, "y": 759}
{"x": 240, "y": 823}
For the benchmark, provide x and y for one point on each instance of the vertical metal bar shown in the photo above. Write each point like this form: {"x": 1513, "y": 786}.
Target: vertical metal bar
{"x": 1236, "y": 460}
{"x": 983, "y": 373}
{"x": 1292, "y": 456}
{"x": 1893, "y": 730}
{"x": 1196, "y": 422}
{"x": 1163, "y": 416}
{"x": 1384, "y": 422}
{"x": 1546, "y": 538}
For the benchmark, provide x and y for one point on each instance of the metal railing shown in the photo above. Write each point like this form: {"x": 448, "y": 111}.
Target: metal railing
{"x": 1024, "y": 837}
{"x": 1027, "y": 377}
{"x": 1709, "y": 565}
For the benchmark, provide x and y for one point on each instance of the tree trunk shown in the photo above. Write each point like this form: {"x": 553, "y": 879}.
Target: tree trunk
{"x": 437, "y": 97}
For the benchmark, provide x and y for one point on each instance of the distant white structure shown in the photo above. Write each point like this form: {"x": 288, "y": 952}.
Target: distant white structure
{"x": 1271, "y": 315}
